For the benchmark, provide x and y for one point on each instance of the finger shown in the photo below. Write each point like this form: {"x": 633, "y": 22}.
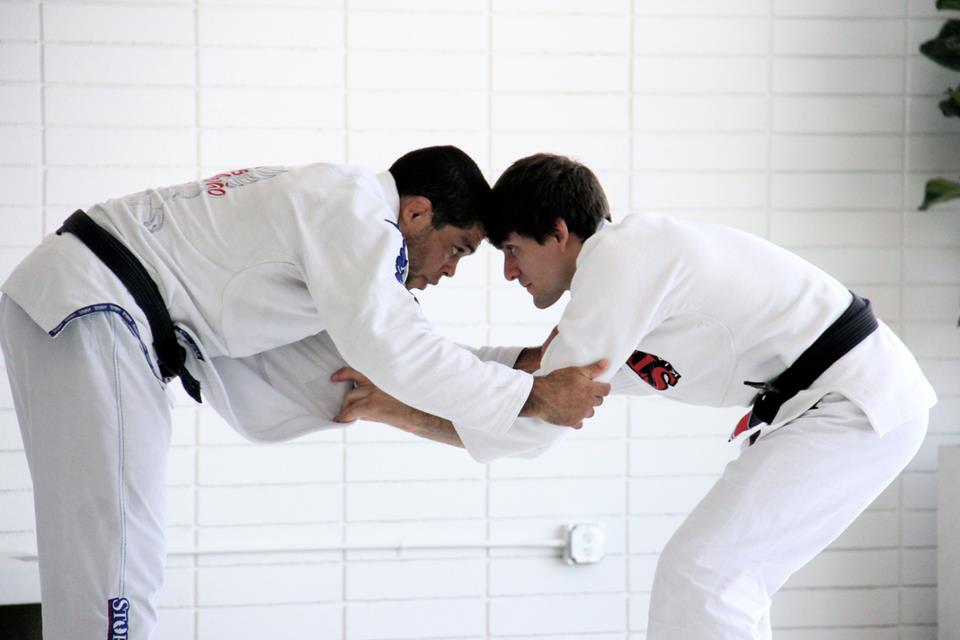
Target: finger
{"x": 344, "y": 415}
{"x": 553, "y": 334}
{"x": 350, "y": 401}
{"x": 595, "y": 369}
{"x": 597, "y": 401}
{"x": 579, "y": 425}
{"x": 600, "y": 389}
{"x": 355, "y": 394}
{"x": 351, "y": 412}
{"x": 347, "y": 374}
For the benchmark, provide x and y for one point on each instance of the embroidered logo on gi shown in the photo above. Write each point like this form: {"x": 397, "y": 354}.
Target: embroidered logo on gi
{"x": 401, "y": 264}
{"x": 217, "y": 185}
{"x": 118, "y": 614}
{"x": 149, "y": 206}
{"x": 655, "y": 371}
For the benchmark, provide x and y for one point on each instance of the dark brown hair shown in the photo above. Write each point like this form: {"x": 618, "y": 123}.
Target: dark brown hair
{"x": 534, "y": 191}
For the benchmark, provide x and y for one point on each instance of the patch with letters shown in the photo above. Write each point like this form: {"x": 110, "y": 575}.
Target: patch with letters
{"x": 654, "y": 370}
{"x": 118, "y": 615}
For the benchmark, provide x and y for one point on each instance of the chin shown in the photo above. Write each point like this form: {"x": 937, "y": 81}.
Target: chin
{"x": 543, "y": 303}
{"x": 416, "y": 283}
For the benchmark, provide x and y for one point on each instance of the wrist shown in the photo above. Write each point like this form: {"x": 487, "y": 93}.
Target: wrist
{"x": 532, "y": 407}
{"x": 528, "y": 360}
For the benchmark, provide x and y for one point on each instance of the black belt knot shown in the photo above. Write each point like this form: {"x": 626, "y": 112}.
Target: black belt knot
{"x": 854, "y": 324}
{"x": 121, "y": 261}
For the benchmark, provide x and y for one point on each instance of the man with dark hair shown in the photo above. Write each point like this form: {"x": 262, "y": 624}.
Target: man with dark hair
{"x": 528, "y": 196}
{"x": 450, "y": 180}
{"x": 252, "y": 287}
{"x": 711, "y": 316}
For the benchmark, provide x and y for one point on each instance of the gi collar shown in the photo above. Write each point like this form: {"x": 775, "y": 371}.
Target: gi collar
{"x": 390, "y": 193}
{"x": 392, "y": 196}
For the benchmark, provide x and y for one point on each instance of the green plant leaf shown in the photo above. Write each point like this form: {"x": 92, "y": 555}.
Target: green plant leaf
{"x": 950, "y": 29}
{"x": 939, "y": 190}
{"x": 950, "y": 105}
{"x": 945, "y": 48}
{"x": 948, "y": 4}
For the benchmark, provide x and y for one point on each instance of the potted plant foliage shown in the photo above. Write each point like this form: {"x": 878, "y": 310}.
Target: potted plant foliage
{"x": 945, "y": 51}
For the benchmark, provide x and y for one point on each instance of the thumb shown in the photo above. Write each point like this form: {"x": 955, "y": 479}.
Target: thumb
{"x": 346, "y": 374}
{"x": 553, "y": 334}
{"x": 595, "y": 369}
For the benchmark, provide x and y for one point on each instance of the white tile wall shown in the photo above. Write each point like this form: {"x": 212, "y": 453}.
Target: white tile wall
{"x": 810, "y": 122}
{"x": 118, "y": 64}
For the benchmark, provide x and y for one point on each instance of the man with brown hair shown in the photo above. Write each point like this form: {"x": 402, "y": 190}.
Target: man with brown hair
{"x": 707, "y": 315}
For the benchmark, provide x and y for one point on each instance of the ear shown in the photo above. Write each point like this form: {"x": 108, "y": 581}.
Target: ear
{"x": 416, "y": 214}
{"x": 560, "y": 232}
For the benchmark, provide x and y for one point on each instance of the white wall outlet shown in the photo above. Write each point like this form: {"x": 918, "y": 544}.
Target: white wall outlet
{"x": 586, "y": 543}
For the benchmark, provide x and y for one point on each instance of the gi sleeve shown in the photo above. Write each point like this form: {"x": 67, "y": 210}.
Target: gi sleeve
{"x": 506, "y": 356}
{"x": 617, "y": 296}
{"x": 354, "y": 277}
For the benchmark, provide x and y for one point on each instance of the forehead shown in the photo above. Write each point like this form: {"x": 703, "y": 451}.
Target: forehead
{"x": 516, "y": 240}
{"x": 470, "y": 236}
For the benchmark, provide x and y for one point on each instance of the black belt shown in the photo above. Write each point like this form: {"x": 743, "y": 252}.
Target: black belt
{"x": 846, "y": 332}
{"x": 133, "y": 275}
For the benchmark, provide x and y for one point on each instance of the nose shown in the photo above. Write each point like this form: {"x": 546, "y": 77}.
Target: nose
{"x": 510, "y": 270}
{"x": 450, "y": 267}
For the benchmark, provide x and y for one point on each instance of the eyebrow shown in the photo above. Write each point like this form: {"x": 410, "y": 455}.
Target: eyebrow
{"x": 472, "y": 247}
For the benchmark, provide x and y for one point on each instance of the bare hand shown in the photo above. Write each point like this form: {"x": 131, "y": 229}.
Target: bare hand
{"x": 367, "y": 402}
{"x": 567, "y": 396}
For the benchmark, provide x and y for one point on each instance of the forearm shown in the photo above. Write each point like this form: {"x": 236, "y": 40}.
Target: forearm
{"x": 431, "y": 427}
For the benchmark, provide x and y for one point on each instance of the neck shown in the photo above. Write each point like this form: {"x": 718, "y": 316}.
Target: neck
{"x": 570, "y": 255}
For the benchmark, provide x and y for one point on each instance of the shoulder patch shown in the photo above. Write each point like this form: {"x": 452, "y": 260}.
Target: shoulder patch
{"x": 654, "y": 370}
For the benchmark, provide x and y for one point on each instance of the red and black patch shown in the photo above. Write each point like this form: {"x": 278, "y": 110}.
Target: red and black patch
{"x": 655, "y": 371}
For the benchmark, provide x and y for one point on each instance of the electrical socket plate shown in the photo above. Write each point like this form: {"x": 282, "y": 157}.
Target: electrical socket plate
{"x": 586, "y": 543}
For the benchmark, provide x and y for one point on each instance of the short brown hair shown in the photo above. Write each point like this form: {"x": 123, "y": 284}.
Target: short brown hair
{"x": 534, "y": 191}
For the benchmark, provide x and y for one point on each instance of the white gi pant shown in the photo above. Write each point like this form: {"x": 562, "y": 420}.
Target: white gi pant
{"x": 96, "y": 429}
{"x": 774, "y": 508}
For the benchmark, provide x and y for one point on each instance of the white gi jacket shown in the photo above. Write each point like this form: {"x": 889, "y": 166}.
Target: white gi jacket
{"x": 708, "y": 308}
{"x": 275, "y": 277}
